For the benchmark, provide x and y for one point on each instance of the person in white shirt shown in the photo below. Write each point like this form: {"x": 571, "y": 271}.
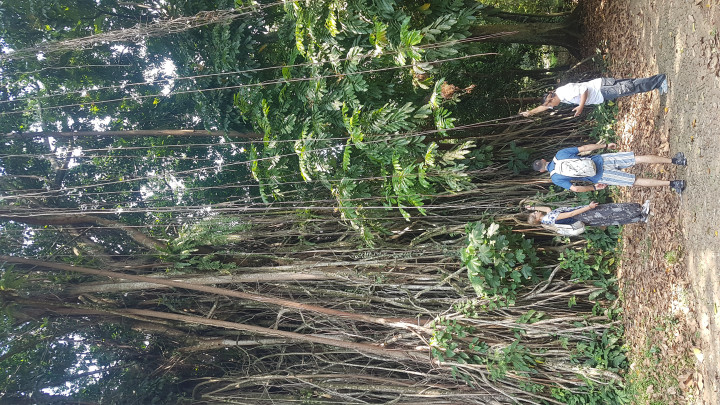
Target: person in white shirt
{"x": 597, "y": 91}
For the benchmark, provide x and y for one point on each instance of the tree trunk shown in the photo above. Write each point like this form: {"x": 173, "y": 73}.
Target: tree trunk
{"x": 565, "y": 34}
{"x": 139, "y": 31}
{"x": 138, "y": 133}
{"x": 403, "y": 323}
{"x": 522, "y": 17}
{"x": 520, "y": 100}
{"x": 136, "y": 235}
{"x": 532, "y": 73}
{"x": 215, "y": 344}
{"x": 115, "y": 287}
{"x": 298, "y": 337}
{"x": 42, "y": 308}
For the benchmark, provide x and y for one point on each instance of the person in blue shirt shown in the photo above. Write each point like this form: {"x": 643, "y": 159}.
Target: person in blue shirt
{"x": 608, "y": 169}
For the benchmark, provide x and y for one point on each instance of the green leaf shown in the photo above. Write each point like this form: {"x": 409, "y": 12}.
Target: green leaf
{"x": 404, "y": 213}
{"x": 484, "y": 253}
{"x": 526, "y": 271}
{"x": 346, "y": 156}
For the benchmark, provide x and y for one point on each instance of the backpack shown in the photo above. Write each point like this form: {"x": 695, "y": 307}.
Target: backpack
{"x": 578, "y": 167}
{"x": 574, "y": 229}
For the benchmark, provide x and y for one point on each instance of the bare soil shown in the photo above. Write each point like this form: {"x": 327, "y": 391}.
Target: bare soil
{"x": 669, "y": 274}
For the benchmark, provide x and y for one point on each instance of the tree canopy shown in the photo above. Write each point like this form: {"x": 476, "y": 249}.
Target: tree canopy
{"x": 265, "y": 202}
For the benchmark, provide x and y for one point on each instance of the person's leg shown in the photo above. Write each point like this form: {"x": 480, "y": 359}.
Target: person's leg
{"x": 677, "y": 185}
{"x": 614, "y": 88}
{"x": 642, "y": 182}
{"x": 652, "y": 159}
{"x": 612, "y": 214}
{"x": 613, "y": 177}
{"x": 679, "y": 159}
{"x": 651, "y": 83}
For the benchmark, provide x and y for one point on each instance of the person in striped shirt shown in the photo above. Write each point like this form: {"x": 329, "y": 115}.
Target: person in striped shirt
{"x": 604, "y": 169}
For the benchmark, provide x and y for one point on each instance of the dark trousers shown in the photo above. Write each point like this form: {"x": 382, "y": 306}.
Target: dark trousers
{"x": 612, "y": 214}
{"x": 614, "y": 88}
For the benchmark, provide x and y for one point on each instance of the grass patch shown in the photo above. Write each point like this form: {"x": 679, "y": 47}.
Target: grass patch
{"x": 656, "y": 377}
{"x": 671, "y": 256}
{"x": 647, "y": 247}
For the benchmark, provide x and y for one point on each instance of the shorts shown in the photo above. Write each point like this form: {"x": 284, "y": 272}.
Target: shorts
{"x": 612, "y": 163}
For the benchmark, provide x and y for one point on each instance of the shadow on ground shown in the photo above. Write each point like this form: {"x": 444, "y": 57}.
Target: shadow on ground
{"x": 669, "y": 275}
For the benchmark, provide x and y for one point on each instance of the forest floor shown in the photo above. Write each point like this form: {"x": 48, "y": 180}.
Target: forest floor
{"x": 669, "y": 274}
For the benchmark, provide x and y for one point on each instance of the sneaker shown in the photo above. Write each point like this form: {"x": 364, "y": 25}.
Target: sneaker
{"x": 664, "y": 87}
{"x": 679, "y": 159}
{"x": 678, "y": 186}
{"x": 646, "y": 211}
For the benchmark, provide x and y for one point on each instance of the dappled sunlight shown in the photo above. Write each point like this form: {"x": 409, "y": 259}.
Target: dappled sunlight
{"x": 626, "y": 130}
{"x": 680, "y": 304}
{"x": 703, "y": 266}
{"x": 679, "y": 43}
{"x": 670, "y": 274}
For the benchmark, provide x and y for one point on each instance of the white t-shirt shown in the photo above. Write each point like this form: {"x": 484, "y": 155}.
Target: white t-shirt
{"x": 571, "y": 92}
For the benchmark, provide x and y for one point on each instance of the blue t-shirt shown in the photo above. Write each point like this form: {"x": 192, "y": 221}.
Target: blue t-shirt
{"x": 572, "y": 153}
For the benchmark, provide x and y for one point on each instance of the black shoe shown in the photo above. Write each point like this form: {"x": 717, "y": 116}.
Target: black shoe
{"x": 679, "y": 159}
{"x": 677, "y": 185}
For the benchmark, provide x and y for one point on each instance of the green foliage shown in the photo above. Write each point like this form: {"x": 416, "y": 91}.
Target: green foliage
{"x": 603, "y": 352}
{"x": 511, "y": 358}
{"x": 11, "y": 279}
{"x": 604, "y": 116}
{"x": 652, "y": 369}
{"x": 593, "y": 394}
{"x": 531, "y": 316}
{"x": 210, "y": 231}
{"x": 519, "y": 160}
{"x": 453, "y": 341}
{"x": 371, "y": 142}
{"x": 603, "y": 239}
{"x": 671, "y": 256}
{"x": 480, "y": 158}
{"x": 530, "y": 6}
{"x": 333, "y": 132}
{"x": 189, "y": 250}
{"x": 559, "y": 197}
{"x": 53, "y": 354}
{"x": 499, "y": 262}
{"x": 593, "y": 266}
{"x": 443, "y": 344}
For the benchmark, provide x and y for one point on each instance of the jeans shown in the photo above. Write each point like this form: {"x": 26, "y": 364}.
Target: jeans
{"x": 614, "y": 88}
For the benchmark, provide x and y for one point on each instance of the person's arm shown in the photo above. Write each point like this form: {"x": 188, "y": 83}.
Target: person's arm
{"x": 582, "y": 189}
{"x": 539, "y": 208}
{"x": 578, "y": 211}
{"x": 593, "y": 146}
{"x": 583, "y": 98}
{"x": 536, "y": 110}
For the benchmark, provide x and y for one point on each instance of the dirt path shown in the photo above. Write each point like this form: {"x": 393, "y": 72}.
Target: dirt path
{"x": 670, "y": 272}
